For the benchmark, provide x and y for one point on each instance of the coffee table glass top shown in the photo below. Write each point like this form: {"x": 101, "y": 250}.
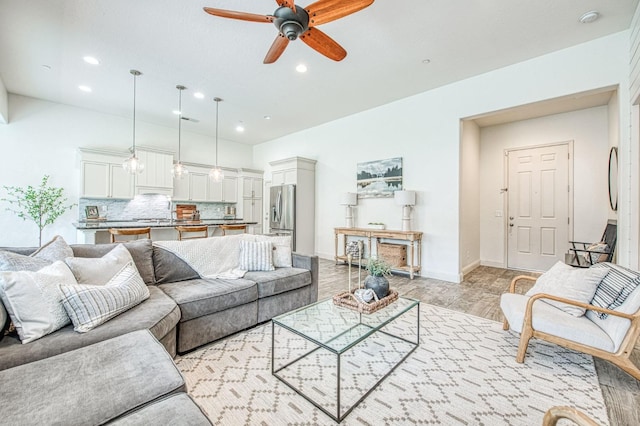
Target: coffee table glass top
{"x": 337, "y": 328}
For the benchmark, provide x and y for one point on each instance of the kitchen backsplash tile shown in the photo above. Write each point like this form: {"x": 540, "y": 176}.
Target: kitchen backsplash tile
{"x": 145, "y": 207}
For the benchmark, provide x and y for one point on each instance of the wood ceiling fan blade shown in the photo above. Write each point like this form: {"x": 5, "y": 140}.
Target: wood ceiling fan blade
{"x": 243, "y": 16}
{"x": 324, "y": 11}
{"x": 323, "y": 44}
{"x": 287, "y": 3}
{"x": 278, "y": 46}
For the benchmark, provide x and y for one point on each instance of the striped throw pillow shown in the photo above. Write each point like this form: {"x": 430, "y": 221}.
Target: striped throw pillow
{"x": 88, "y": 306}
{"x": 615, "y": 287}
{"x": 256, "y": 256}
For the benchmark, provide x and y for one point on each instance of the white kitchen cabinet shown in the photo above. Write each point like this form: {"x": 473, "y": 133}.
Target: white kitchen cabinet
{"x": 225, "y": 191}
{"x": 198, "y": 186}
{"x": 181, "y": 189}
{"x": 156, "y": 177}
{"x": 104, "y": 177}
{"x": 252, "y": 212}
{"x": 251, "y": 189}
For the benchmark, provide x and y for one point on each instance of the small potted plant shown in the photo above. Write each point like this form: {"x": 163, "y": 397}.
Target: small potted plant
{"x": 377, "y": 281}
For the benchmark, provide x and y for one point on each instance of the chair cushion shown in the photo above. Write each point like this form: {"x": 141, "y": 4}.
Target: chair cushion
{"x": 571, "y": 283}
{"x": 617, "y": 327}
{"x": 279, "y": 281}
{"x": 555, "y": 321}
{"x": 614, "y": 289}
{"x": 202, "y": 297}
{"x": 596, "y": 257}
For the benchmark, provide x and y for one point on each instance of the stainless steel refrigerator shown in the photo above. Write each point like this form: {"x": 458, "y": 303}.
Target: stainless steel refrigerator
{"x": 282, "y": 211}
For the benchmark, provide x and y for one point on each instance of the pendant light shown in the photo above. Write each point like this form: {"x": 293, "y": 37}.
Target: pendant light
{"x": 132, "y": 164}
{"x": 216, "y": 173}
{"x": 178, "y": 171}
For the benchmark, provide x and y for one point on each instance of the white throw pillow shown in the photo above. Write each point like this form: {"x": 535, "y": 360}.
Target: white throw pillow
{"x": 281, "y": 249}
{"x": 256, "y": 256}
{"x": 570, "y": 283}
{"x": 98, "y": 271}
{"x": 88, "y": 306}
{"x": 33, "y": 300}
{"x": 54, "y": 250}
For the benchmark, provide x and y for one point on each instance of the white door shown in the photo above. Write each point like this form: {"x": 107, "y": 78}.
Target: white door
{"x": 538, "y": 208}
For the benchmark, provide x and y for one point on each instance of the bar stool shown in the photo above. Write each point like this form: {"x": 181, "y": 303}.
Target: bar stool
{"x": 225, "y": 228}
{"x": 129, "y": 231}
{"x": 190, "y": 229}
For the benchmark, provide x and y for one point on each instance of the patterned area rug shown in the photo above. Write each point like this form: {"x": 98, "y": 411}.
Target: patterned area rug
{"x": 463, "y": 373}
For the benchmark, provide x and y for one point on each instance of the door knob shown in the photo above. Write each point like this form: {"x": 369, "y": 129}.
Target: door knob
{"x": 510, "y": 217}
{"x": 511, "y": 224}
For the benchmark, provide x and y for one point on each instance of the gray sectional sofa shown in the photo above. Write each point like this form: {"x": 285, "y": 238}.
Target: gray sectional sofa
{"x": 182, "y": 313}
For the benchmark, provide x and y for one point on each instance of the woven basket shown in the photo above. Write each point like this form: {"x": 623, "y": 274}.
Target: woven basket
{"x": 348, "y": 300}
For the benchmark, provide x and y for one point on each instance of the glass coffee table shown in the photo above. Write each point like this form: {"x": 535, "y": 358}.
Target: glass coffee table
{"x": 334, "y": 356}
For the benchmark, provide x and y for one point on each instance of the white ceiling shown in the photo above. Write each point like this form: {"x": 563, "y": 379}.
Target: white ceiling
{"x": 175, "y": 42}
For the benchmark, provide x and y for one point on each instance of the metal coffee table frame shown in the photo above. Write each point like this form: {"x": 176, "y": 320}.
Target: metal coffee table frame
{"x": 354, "y": 332}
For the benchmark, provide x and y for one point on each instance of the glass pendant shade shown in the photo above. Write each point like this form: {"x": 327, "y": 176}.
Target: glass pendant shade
{"x": 179, "y": 171}
{"x": 216, "y": 174}
{"x": 133, "y": 165}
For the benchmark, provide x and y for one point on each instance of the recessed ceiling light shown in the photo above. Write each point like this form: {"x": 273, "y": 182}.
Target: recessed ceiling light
{"x": 199, "y": 95}
{"x": 176, "y": 112}
{"x": 267, "y": 117}
{"x": 91, "y": 60}
{"x": 86, "y": 89}
{"x": 589, "y": 17}
{"x": 240, "y": 127}
{"x": 426, "y": 61}
{"x": 301, "y": 68}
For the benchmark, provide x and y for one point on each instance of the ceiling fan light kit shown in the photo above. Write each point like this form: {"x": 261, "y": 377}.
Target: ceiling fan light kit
{"x": 295, "y": 22}
{"x": 132, "y": 164}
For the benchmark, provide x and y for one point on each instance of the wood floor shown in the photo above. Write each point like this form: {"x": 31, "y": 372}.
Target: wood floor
{"x": 479, "y": 295}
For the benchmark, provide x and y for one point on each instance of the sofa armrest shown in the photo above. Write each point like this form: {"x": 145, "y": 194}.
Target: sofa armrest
{"x": 310, "y": 263}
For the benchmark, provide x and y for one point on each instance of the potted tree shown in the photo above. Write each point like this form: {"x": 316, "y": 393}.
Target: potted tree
{"x": 377, "y": 281}
{"x": 43, "y": 204}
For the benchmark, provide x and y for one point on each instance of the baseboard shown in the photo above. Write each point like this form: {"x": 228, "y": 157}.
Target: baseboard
{"x": 493, "y": 264}
{"x": 470, "y": 267}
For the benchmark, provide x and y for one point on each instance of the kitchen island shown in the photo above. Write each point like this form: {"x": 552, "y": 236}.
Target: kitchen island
{"x": 97, "y": 232}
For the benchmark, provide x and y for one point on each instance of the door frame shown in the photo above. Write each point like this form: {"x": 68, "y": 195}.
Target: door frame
{"x": 505, "y": 198}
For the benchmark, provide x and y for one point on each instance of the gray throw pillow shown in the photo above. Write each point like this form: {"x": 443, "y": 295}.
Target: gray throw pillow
{"x": 88, "y": 306}
{"x": 98, "y": 271}
{"x": 54, "y": 250}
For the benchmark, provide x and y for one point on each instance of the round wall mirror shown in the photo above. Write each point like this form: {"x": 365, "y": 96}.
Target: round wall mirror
{"x": 613, "y": 178}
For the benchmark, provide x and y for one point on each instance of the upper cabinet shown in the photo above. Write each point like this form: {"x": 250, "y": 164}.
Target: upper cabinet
{"x": 251, "y": 183}
{"x": 103, "y": 175}
{"x": 197, "y": 186}
{"x": 156, "y": 177}
{"x": 225, "y": 191}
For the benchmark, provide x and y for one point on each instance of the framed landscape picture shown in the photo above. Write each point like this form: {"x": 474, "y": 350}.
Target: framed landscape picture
{"x": 380, "y": 178}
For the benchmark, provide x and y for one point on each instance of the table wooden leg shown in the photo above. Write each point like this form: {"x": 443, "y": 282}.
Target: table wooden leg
{"x": 411, "y": 266}
{"x": 336, "y": 249}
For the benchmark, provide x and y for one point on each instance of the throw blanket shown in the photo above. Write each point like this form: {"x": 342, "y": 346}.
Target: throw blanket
{"x": 215, "y": 257}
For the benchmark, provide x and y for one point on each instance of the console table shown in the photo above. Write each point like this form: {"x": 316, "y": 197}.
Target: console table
{"x": 412, "y": 238}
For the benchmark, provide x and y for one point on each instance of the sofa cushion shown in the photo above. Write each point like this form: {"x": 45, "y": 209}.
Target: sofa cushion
{"x": 91, "y": 385}
{"x": 159, "y": 314}
{"x": 99, "y": 271}
{"x": 33, "y": 300}
{"x": 170, "y": 268}
{"x": 88, "y": 306}
{"x": 141, "y": 252}
{"x": 555, "y": 321}
{"x": 206, "y": 296}
{"x": 176, "y": 409}
{"x": 279, "y": 281}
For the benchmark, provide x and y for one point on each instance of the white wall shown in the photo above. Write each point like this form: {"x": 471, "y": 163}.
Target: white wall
{"x": 588, "y": 129}
{"x": 44, "y": 137}
{"x": 469, "y": 196}
{"x": 4, "y": 104}
{"x": 425, "y": 131}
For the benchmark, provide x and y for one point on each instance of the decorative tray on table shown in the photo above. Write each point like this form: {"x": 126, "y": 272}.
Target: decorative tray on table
{"x": 347, "y": 299}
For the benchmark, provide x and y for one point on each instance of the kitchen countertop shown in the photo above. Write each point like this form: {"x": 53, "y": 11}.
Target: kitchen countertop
{"x": 162, "y": 223}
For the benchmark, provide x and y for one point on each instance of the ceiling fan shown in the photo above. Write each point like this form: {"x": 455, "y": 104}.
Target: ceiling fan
{"x": 294, "y": 21}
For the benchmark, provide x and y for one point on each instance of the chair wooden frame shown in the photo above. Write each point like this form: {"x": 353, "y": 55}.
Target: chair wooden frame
{"x": 190, "y": 229}
{"x": 619, "y": 358}
{"x": 129, "y": 231}
{"x": 238, "y": 227}
{"x": 558, "y": 412}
